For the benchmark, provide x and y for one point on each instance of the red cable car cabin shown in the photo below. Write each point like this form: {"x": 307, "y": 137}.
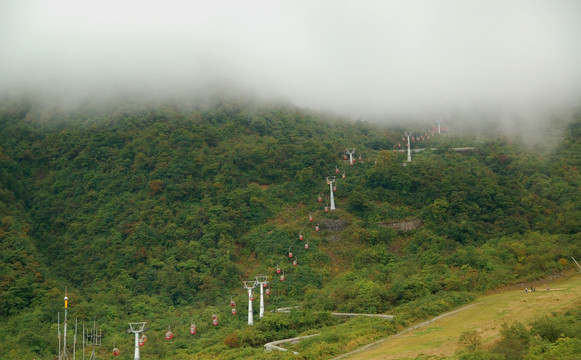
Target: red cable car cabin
{"x": 169, "y": 334}
{"x": 115, "y": 351}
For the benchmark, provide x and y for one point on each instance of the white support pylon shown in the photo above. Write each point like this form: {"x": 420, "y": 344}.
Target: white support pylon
{"x": 350, "y": 151}
{"x": 249, "y": 285}
{"x": 261, "y": 281}
{"x": 330, "y": 181}
{"x": 408, "y": 134}
{"x": 136, "y": 328}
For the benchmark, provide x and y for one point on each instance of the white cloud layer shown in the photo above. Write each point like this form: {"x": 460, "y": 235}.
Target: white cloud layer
{"x": 363, "y": 58}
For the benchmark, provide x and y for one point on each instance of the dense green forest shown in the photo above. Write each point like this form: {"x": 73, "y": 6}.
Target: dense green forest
{"x": 158, "y": 213}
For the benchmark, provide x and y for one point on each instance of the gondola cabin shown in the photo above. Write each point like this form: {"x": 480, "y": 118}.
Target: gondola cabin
{"x": 169, "y": 334}
{"x": 233, "y": 311}
{"x": 115, "y": 351}
{"x": 301, "y": 237}
{"x": 193, "y": 329}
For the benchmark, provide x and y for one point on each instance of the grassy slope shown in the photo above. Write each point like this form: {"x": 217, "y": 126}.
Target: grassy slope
{"x": 440, "y": 338}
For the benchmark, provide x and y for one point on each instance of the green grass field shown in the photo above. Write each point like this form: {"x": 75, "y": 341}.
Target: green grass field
{"x": 439, "y": 339}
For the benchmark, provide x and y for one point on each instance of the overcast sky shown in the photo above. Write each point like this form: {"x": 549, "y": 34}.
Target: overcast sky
{"x": 359, "y": 58}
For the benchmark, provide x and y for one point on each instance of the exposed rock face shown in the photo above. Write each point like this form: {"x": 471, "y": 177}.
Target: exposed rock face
{"x": 333, "y": 225}
{"x": 403, "y": 225}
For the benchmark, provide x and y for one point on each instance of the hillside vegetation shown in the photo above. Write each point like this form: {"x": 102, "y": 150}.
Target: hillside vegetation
{"x": 158, "y": 212}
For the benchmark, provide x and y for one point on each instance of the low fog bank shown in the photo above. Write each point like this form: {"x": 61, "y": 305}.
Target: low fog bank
{"x": 480, "y": 66}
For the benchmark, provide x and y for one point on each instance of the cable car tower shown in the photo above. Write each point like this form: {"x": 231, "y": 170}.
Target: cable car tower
{"x": 262, "y": 282}
{"x": 249, "y": 285}
{"x": 408, "y": 134}
{"x": 330, "y": 181}
{"x": 350, "y": 151}
{"x": 136, "y": 328}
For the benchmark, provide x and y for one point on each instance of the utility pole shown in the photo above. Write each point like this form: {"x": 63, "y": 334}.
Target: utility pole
{"x": 75, "y": 341}
{"x": 350, "y": 151}
{"x": 63, "y": 352}
{"x": 408, "y": 134}
{"x": 249, "y": 285}
{"x": 330, "y": 181}
{"x": 262, "y": 282}
{"x": 59, "y": 332}
{"x": 96, "y": 338}
{"x": 136, "y": 328}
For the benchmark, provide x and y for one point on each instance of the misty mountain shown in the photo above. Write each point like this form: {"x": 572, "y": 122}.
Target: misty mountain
{"x": 158, "y": 212}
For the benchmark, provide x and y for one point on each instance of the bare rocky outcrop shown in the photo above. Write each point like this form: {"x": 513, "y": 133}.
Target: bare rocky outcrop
{"x": 403, "y": 225}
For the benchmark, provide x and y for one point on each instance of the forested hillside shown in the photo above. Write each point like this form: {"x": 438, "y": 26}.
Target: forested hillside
{"x": 158, "y": 213}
